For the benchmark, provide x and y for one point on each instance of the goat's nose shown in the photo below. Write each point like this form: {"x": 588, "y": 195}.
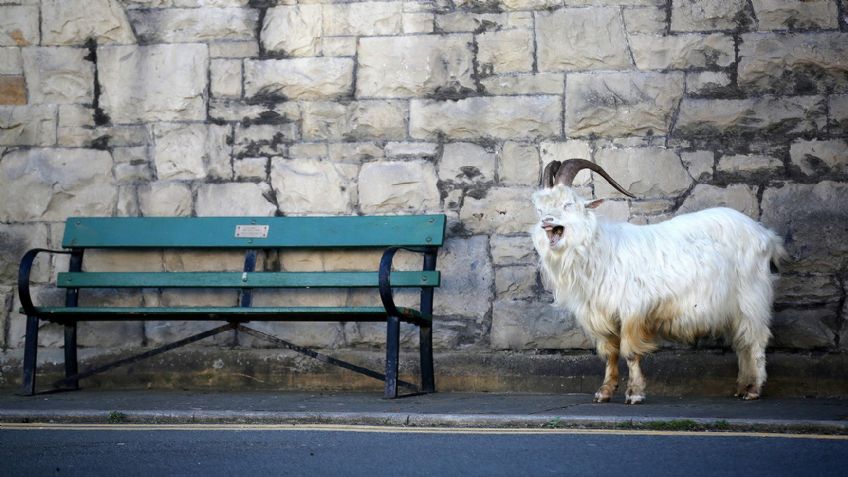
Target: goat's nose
{"x": 547, "y": 219}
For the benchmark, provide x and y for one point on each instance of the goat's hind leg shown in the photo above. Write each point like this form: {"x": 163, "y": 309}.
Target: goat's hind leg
{"x": 750, "y": 339}
{"x": 609, "y": 348}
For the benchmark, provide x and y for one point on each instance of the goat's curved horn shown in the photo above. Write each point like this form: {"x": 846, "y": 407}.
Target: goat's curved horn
{"x": 571, "y": 167}
{"x": 549, "y": 174}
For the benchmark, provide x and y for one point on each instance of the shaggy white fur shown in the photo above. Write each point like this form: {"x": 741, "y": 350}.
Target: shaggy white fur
{"x": 697, "y": 274}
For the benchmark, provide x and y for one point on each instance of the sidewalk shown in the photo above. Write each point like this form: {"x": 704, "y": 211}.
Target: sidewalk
{"x": 822, "y": 415}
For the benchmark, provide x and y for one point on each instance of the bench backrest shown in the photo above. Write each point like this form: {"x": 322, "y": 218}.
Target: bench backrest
{"x": 255, "y": 232}
{"x": 250, "y": 234}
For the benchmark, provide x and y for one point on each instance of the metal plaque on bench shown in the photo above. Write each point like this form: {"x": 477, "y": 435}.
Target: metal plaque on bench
{"x": 251, "y": 231}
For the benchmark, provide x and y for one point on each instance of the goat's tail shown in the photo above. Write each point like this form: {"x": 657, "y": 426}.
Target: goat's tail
{"x": 777, "y": 252}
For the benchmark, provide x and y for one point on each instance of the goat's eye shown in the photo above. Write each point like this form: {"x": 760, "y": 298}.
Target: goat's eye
{"x": 566, "y": 206}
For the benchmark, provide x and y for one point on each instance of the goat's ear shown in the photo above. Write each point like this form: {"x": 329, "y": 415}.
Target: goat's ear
{"x": 593, "y": 204}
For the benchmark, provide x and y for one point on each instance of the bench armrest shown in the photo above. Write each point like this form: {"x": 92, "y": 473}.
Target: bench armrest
{"x": 24, "y": 271}
{"x": 385, "y": 273}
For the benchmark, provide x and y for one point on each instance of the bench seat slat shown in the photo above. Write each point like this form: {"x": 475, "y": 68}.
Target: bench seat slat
{"x": 283, "y": 313}
{"x": 282, "y": 232}
{"x": 404, "y": 279}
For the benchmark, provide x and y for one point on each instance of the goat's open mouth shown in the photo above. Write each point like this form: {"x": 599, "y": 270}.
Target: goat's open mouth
{"x": 555, "y": 233}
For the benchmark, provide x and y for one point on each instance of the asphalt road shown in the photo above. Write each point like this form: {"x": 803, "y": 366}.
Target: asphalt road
{"x": 127, "y": 451}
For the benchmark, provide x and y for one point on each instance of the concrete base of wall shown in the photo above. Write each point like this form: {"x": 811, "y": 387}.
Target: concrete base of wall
{"x": 669, "y": 373}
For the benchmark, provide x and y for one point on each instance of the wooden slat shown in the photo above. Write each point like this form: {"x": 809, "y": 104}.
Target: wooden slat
{"x": 283, "y": 232}
{"x": 375, "y": 314}
{"x": 400, "y": 279}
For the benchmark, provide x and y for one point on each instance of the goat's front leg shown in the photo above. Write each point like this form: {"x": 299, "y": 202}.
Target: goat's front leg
{"x": 608, "y": 347}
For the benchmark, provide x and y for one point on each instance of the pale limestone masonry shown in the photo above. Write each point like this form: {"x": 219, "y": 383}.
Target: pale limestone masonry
{"x": 316, "y": 107}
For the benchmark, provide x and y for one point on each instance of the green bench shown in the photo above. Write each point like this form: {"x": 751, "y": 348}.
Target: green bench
{"x": 423, "y": 234}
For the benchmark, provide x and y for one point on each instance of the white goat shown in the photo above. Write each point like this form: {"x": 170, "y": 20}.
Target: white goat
{"x": 697, "y": 274}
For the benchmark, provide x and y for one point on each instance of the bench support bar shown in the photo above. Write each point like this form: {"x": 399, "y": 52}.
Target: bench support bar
{"x": 324, "y": 358}
{"x": 71, "y": 382}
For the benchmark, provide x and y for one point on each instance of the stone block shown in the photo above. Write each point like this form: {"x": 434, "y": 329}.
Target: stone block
{"x": 50, "y": 335}
{"x": 392, "y": 187}
{"x": 132, "y": 165}
{"x": 742, "y": 164}
{"x": 231, "y": 199}
{"x": 192, "y": 151}
{"x": 168, "y": 82}
{"x": 355, "y": 152}
{"x": 530, "y": 83}
{"x": 15, "y": 241}
{"x": 820, "y": 157}
{"x": 6, "y": 299}
{"x": 838, "y": 109}
{"x": 653, "y": 52}
{"x": 707, "y": 82}
{"x": 799, "y": 63}
{"x": 294, "y": 30}
{"x": 645, "y": 20}
{"x": 194, "y": 25}
{"x": 415, "y": 66}
{"x": 804, "y": 328}
{"x": 501, "y": 117}
{"x": 645, "y": 172}
{"x": 515, "y": 283}
{"x": 418, "y": 22}
{"x": 53, "y": 184}
{"x": 464, "y": 21}
{"x": 13, "y": 90}
{"x": 73, "y": 22}
{"x": 421, "y": 150}
{"x": 251, "y": 168}
{"x": 807, "y": 289}
{"x": 310, "y": 186}
{"x": 581, "y": 39}
{"x": 339, "y": 45}
{"x": 512, "y": 250}
{"x": 518, "y": 164}
{"x": 364, "y": 18}
{"x": 520, "y": 325}
{"x": 234, "y": 49}
{"x": 509, "y": 51}
{"x": 28, "y": 125}
{"x": 298, "y": 78}
{"x": 795, "y": 15}
{"x": 812, "y": 220}
{"x": 251, "y": 140}
{"x": 772, "y": 115}
{"x": 207, "y": 261}
{"x": 706, "y": 15}
{"x": 11, "y": 61}
{"x": 165, "y": 199}
{"x": 740, "y": 197}
{"x": 529, "y": 4}
{"x": 225, "y": 78}
{"x": 700, "y": 164}
{"x": 19, "y": 25}
{"x": 120, "y": 334}
{"x": 465, "y": 163}
{"x": 501, "y": 210}
{"x": 613, "y": 211}
{"x": 102, "y": 260}
{"x": 467, "y": 278}
{"x": 355, "y": 121}
{"x": 621, "y": 104}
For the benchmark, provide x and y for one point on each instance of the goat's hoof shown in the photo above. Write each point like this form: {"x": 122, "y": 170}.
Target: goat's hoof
{"x": 751, "y": 396}
{"x": 748, "y": 393}
{"x": 634, "y": 399}
{"x": 600, "y": 397}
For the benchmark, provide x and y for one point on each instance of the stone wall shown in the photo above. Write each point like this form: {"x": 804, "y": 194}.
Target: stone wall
{"x": 284, "y": 107}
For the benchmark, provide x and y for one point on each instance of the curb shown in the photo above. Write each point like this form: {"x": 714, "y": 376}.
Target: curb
{"x": 489, "y": 421}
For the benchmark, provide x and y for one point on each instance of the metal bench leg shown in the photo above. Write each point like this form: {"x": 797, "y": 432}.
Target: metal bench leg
{"x": 71, "y": 368}
{"x": 392, "y": 356}
{"x": 30, "y": 356}
{"x": 428, "y": 381}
